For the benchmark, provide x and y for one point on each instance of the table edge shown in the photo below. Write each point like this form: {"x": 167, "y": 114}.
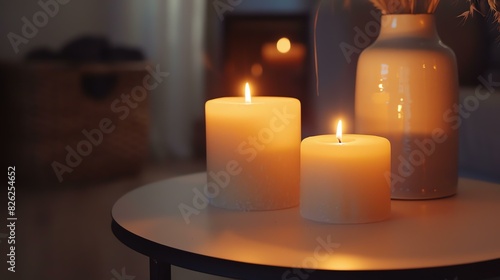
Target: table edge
{"x": 237, "y": 269}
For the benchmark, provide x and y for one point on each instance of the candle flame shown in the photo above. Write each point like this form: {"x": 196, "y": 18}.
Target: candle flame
{"x": 339, "y": 131}
{"x": 248, "y": 97}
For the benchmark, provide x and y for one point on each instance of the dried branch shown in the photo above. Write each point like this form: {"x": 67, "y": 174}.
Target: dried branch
{"x": 482, "y": 7}
{"x": 405, "y": 6}
{"x": 494, "y": 5}
{"x": 487, "y": 6}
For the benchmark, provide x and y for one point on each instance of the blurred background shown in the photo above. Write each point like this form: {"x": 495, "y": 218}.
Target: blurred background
{"x": 103, "y": 96}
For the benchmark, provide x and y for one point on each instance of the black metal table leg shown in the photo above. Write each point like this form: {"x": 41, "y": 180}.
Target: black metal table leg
{"x": 159, "y": 270}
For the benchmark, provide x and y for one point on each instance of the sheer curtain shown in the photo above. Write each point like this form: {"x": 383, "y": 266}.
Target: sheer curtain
{"x": 171, "y": 34}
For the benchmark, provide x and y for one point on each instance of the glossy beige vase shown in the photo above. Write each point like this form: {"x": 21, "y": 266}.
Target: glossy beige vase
{"x": 407, "y": 91}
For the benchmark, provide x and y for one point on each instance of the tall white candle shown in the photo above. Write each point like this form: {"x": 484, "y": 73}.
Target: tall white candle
{"x": 344, "y": 178}
{"x": 253, "y": 152}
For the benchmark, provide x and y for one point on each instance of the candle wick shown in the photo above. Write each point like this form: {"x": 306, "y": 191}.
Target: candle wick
{"x": 340, "y": 140}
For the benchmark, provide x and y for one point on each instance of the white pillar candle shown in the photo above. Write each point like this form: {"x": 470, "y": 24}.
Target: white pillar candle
{"x": 253, "y": 152}
{"x": 345, "y": 182}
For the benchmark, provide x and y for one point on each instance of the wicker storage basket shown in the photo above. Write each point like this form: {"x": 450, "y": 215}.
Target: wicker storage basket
{"x": 50, "y": 105}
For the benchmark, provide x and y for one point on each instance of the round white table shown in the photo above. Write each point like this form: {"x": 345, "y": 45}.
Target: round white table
{"x": 452, "y": 238}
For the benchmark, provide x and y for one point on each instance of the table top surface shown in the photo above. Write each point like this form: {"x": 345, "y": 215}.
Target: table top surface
{"x": 457, "y": 230}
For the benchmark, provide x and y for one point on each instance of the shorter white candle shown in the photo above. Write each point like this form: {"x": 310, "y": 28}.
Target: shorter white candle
{"x": 345, "y": 178}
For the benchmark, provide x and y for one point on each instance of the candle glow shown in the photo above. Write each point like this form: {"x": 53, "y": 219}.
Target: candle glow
{"x": 283, "y": 45}
{"x": 248, "y": 96}
{"x": 339, "y": 131}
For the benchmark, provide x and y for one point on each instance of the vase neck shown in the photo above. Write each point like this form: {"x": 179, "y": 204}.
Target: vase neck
{"x": 408, "y": 25}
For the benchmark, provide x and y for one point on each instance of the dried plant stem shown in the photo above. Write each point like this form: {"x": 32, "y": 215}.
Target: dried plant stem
{"x": 476, "y": 7}
{"x": 432, "y": 6}
{"x": 405, "y": 6}
{"x": 429, "y": 6}
{"x": 494, "y": 5}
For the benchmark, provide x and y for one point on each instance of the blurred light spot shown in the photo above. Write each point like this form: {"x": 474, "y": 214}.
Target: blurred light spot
{"x": 283, "y": 45}
{"x": 400, "y": 109}
{"x": 256, "y": 70}
{"x": 384, "y": 70}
